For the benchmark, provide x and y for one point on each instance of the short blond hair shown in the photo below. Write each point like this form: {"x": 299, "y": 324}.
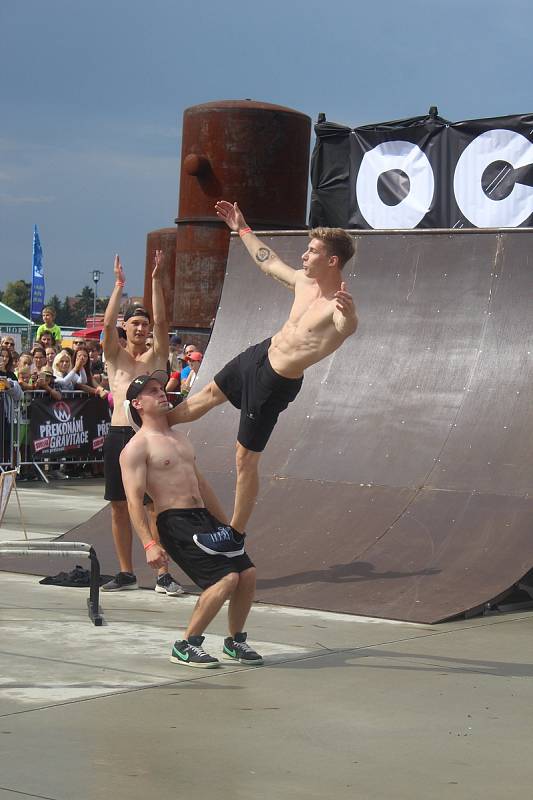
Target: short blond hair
{"x": 337, "y": 241}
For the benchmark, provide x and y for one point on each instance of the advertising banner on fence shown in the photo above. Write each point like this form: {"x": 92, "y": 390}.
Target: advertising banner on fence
{"x": 424, "y": 172}
{"x": 73, "y": 428}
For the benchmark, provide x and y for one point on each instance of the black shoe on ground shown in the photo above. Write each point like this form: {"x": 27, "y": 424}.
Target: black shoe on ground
{"x": 190, "y": 653}
{"x": 237, "y": 649}
{"x": 225, "y": 541}
{"x": 122, "y": 582}
{"x": 167, "y": 585}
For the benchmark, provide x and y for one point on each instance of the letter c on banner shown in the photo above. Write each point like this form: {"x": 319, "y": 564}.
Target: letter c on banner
{"x": 408, "y": 158}
{"x": 477, "y": 207}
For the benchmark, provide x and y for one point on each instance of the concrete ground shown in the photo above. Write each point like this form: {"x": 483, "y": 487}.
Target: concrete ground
{"x": 344, "y": 707}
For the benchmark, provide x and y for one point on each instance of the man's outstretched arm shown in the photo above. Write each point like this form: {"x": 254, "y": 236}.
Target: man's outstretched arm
{"x": 265, "y": 258}
{"x": 111, "y": 343}
{"x": 159, "y": 309}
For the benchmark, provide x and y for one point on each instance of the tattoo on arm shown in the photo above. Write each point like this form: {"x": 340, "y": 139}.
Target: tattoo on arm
{"x": 263, "y": 254}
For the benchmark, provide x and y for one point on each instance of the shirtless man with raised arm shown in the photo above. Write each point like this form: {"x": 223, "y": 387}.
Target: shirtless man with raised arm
{"x": 160, "y": 461}
{"x": 266, "y": 377}
{"x": 124, "y": 364}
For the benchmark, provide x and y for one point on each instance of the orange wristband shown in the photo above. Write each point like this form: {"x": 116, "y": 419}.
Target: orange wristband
{"x": 151, "y": 543}
{"x": 244, "y": 231}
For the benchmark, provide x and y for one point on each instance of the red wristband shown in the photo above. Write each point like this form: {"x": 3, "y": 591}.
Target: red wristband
{"x": 151, "y": 543}
{"x": 244, "y": 231}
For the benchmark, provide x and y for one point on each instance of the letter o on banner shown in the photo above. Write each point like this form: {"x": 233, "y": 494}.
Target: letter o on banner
{"x": 481, "y": 210}
{"x": 408, "y": 158}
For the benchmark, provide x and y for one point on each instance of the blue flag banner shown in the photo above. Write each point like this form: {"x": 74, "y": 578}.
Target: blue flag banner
{"x": 37, "y": 276}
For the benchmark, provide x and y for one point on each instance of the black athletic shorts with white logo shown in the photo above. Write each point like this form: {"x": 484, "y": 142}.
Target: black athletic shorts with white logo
{"x": 176, "y": 528}
{"x": 250, "y": 383}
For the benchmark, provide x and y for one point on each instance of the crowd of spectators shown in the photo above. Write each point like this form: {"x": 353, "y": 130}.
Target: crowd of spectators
{"x": 50, "y": 367}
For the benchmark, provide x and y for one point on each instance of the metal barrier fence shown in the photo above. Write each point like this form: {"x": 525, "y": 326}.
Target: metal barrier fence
{"x": 58, "y": 438}
{"x": 21, "y": 450}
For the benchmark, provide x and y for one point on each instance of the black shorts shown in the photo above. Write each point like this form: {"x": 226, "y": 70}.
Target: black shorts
{"x": 176, "y": 528}
{"x": 250, "y": 383}
{"x": 115, "y": 442}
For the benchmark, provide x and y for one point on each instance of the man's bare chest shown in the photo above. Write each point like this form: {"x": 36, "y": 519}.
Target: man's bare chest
{"x": 169, "y": 453}
{"x": 126, "y": 368}
{"x": 311, "y": 315}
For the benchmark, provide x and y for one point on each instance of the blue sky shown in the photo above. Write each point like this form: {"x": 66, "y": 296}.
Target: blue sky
{"x": 92, "y": 96}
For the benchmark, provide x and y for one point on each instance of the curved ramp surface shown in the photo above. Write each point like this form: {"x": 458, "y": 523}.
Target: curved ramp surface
{"x": 399, "y": 483}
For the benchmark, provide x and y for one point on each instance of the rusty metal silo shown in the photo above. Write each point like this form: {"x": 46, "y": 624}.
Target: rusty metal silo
{"x": 163, "y": 239}
{"x": 254, "y": 153}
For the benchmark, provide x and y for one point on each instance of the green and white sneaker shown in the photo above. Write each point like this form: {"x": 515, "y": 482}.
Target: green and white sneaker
{"x": 237, "y": 649}
{"x": 190, "y": 653}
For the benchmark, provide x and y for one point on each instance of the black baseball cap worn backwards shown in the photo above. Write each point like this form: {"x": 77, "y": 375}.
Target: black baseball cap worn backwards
{"x": 136, "y": 387}
{"x": 136, "y": 311}
{"x": 138, "y": 384}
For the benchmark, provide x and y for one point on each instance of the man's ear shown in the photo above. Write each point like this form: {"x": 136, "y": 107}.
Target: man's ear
{"x": 136, "y": 403}
{"x": 334, "y": 261}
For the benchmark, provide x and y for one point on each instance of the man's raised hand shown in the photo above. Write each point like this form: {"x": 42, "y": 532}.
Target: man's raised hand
{"x": 158, "y": 264}
{"x": 344, "y": 301}
{"x": 120, "y": 278}
{"x": 231, "y": 214}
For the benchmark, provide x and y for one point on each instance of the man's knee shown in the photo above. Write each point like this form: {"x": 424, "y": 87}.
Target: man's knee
{"x": 247, "y": 578}
{"x": 119, "y": 508}
{"x": 228, "y": 583}
{"x": 246, "y": 459}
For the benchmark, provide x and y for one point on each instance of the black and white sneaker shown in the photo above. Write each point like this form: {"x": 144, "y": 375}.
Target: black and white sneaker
{"x": 167, "y": 585}
{"x": 122, "y": 582}
{"x": 237, "y": 649}
{"x": 225, "y": 541}
{"x": 190, "y": 653}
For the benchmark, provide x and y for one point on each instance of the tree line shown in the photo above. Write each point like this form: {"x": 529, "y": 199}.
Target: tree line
{"x": 70, "y": 312}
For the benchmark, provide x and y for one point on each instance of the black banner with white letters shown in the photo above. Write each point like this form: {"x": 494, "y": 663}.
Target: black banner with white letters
{"x": 424, "y": 172}
{"x": 73, "y": 428}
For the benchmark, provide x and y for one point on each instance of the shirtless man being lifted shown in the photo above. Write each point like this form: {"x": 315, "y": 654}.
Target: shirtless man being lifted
{"x": 124, "y": 364}
{"x": 160, "y": 461}
{"x": 266, "y": 377}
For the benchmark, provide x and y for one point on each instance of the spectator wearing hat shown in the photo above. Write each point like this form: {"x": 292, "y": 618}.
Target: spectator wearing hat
{"x": 46, "y": 383}
{"x": 195, "y": 359}
{"x": 187, "y": 350}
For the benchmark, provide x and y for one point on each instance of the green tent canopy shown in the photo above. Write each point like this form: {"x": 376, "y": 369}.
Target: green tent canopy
{"x": 11, "y": 322}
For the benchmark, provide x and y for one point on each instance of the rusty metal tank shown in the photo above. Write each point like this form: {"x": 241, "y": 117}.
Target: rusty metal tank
{"x": 239, "y": 150}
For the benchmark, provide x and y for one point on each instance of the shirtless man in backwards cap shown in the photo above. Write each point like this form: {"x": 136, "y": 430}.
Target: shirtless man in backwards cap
{"x": 124, "y": 364}
{"x": 160, "y": 461}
